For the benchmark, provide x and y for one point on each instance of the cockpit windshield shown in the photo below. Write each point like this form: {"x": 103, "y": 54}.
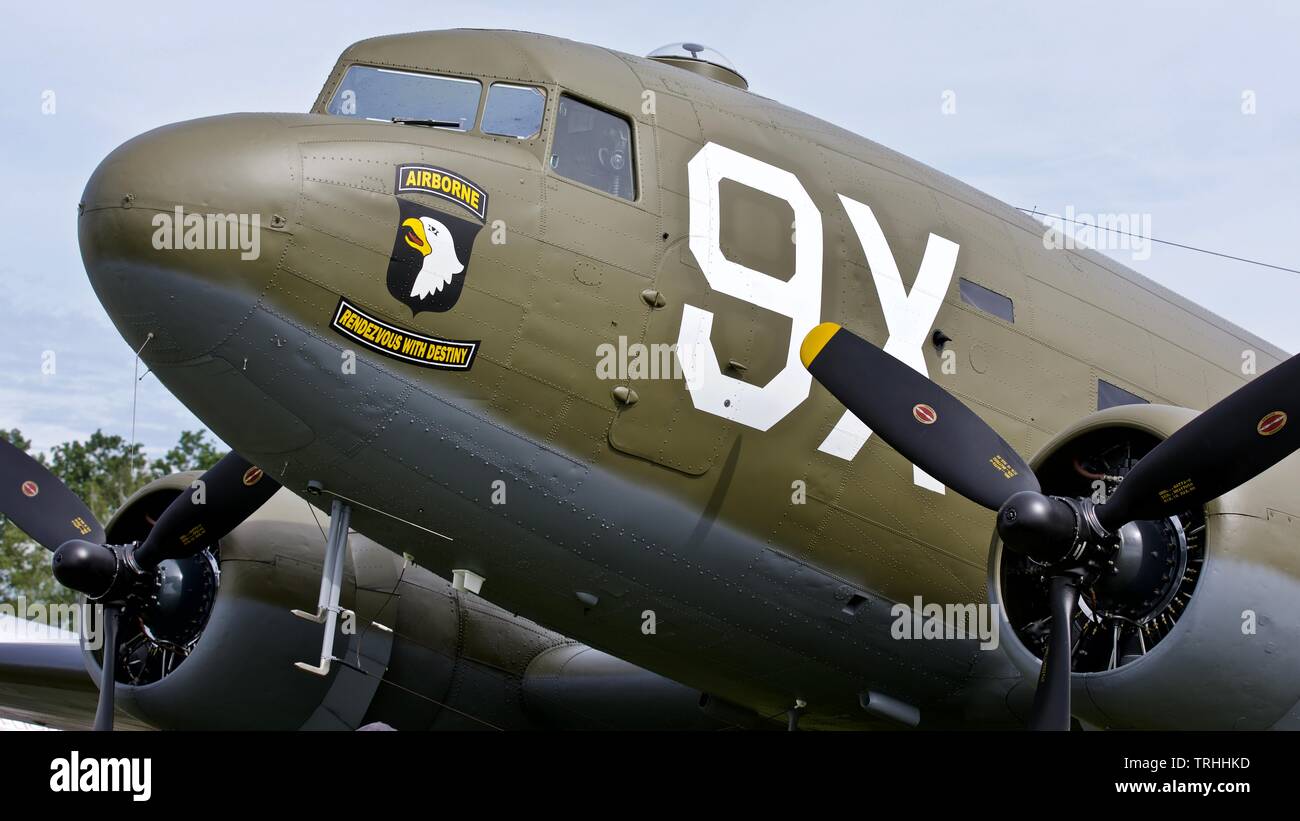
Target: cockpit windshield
{"x": 387, "y": 95}
{"x": 514, "y": 111}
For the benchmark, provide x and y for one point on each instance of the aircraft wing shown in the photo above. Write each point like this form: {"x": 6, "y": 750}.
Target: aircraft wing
{"x": 44, "y": 681}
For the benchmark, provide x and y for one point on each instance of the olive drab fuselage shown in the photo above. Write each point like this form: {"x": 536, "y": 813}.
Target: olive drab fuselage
{"x": 737, "y": 529}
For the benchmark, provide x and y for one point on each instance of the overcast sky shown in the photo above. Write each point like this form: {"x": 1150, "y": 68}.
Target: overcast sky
{"x": 1106, "y": 107}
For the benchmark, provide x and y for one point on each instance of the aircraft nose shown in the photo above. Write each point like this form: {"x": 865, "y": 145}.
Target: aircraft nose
{"x": 181, "y": 228}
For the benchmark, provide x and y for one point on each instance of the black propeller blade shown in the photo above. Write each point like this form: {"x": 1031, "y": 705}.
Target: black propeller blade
{"x": 108, "y": 673}
{"x": 39, "y": 504}
{"x": 1229, "y": 444}
{"x": 919, "y": 419}
{"x": 227, "y": 494}
{"x": 112, "y": 575}
{"x": 1226, "y": 446}
{"x": 1052, "y": 697}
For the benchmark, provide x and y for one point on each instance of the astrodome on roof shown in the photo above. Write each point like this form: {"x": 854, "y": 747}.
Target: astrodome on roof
{"x": 693, "y": 51}
{"x": 700, "y": 59}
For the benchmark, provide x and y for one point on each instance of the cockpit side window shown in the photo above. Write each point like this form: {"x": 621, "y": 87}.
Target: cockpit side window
{"x": 593, "y": 147}
{"x": 514, "y": 111}
{"x": 381, "y": 94}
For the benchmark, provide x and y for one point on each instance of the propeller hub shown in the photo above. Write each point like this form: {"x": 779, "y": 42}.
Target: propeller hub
{"x": 1045, "y": 528}
{"x": 103, "y": 572}
{"x": 87, "y": 567}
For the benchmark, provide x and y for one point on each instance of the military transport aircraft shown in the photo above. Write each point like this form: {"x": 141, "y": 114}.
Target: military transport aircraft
{"x": 603, "y": 340}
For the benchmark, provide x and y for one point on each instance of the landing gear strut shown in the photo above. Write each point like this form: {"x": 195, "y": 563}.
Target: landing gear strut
{"x": 331, "y": 580}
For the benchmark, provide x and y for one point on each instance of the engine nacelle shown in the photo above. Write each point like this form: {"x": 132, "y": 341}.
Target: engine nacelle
{"x": 1198, "y": 624}
{"x": 217, "y": 650}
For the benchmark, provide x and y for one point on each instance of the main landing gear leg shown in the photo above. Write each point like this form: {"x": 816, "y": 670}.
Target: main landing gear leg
{"x": 331, "y": 580}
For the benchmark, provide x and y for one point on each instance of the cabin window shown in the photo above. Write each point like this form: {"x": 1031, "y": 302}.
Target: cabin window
{"x": 990, "y": 302}
{"x": 514, "y": 111}
{"x": 1109, "y": 396}
{"x": 593, "y": 147}
{"x": 381, "y": 94}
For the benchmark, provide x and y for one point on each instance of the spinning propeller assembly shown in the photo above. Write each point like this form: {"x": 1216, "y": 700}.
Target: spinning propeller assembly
{"x": 124, "y": 579}
{"x": 1077, "y": 543}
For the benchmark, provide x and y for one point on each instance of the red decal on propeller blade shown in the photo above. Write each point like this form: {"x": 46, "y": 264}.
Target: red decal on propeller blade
{"x": 924, "y": 414}
{"x": 1271, "y": 423}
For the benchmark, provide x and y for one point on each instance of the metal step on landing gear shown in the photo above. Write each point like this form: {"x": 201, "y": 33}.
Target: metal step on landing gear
{"x": 331, "y": 581}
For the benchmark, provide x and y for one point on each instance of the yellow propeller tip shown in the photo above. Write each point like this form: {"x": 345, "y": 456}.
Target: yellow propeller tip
{"x": 815, "y": 341}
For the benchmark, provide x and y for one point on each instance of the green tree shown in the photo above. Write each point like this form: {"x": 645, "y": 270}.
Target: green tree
{"x": 192, "y": 452}
{"x": 103, "y": 471}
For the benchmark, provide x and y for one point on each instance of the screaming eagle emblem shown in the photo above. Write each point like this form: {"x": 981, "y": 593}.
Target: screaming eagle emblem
{"x": 430, "y": 258}
{"x": 432, "y": 239}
